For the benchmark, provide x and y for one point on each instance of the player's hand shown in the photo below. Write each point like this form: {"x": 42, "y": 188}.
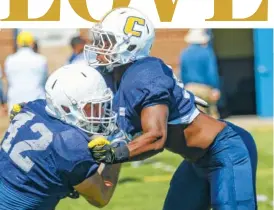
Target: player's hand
{"x": 110, "y": 153}
{"x": 215, "y": 95}
{"x": 16, "y": 109}
{"x": 101, "y": 150}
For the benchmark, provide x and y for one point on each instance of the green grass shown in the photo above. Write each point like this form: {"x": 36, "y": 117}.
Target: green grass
{"x": 144, "y": 188}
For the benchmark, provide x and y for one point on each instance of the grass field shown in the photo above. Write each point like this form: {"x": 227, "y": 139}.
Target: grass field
{"x": 144, "y": 188}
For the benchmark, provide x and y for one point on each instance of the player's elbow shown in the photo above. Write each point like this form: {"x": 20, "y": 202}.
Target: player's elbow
{"x": 99, "y": 203}
{"x": 102, "y": 204}
{"x": 159, "y": 137}
{"x": 106, "y": 196}
{"x": 159, "y": 145}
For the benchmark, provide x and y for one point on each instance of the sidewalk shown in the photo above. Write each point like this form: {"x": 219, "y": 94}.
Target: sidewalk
{"x": 251, "y": 121}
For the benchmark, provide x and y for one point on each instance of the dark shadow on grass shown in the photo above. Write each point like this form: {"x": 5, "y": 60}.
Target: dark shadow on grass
{"x": 126, "y": 180}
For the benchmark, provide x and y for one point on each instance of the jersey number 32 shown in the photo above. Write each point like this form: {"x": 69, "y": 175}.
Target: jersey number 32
{"x": 40, "y": 144}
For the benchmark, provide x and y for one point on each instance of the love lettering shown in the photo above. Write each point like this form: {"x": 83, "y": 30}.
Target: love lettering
{"x": 223, "y": 10}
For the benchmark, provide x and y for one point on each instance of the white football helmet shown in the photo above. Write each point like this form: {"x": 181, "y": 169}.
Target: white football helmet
{"x": 122, "y": 36}
{"x": 78, "y": 95}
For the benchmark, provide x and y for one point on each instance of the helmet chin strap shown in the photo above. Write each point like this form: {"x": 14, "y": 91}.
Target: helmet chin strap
{"x": 118, "y": 64}
{"x": 105, "y": 69}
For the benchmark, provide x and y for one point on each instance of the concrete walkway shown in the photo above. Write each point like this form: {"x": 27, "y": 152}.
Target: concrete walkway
{"x": 251, "y": 121}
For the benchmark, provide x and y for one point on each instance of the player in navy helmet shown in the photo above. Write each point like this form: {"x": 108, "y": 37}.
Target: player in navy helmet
{"x": 156, "y": 113}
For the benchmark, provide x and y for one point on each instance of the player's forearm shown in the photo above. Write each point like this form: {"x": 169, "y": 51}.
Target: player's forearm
{"x": 110, "y": 175}
{"x": 91, "y": 190}
{"x": 145, "y": 155}
{"x": 99, "y": 188}
{"x": 153, "y": 139}
{"x": 151, "y": 142}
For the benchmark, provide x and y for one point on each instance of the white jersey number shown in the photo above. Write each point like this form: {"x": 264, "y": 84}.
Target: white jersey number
{"x": 40, "y": 144}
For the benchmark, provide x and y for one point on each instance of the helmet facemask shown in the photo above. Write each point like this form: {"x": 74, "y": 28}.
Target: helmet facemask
{"x": 97, "y": 115}
{"x": 93, "y": 116}
{"x": 108, "y": 44}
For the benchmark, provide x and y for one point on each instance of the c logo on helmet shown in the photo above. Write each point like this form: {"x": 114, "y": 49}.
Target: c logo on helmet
{"x": 130, "y": 24}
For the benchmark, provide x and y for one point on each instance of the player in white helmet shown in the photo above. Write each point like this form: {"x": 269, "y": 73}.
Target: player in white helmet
{"x": 45, "y": 155}
{"x": 157, "y": 113}
{"x": 121, "y": 42}
{"x": 90, "y": 110}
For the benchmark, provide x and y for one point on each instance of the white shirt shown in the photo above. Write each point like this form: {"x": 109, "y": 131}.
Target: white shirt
{"x": 1, "y": 87}
{"x": 26, "y": 72}
{"x": 79, "y": 58}
{"x": 1, "y": 73}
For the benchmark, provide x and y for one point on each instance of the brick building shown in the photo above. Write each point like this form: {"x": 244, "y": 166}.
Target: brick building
{"x": 245, "y": 59}
{"x": 168, "y": 46}
{"x": 6, "y": 43}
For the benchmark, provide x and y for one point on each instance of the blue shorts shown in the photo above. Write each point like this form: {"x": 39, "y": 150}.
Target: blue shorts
{"x": 224, "y": 179}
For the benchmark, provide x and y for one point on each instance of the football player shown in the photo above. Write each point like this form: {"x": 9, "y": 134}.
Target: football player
{"x": 156, "y": 112}
{"x": 44, "y": 155}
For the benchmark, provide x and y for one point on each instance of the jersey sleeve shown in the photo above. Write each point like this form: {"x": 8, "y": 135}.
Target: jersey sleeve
{"x": 157, "y": 92}
{"x": 76, "y": 162}
{"x": 155, "y": 88}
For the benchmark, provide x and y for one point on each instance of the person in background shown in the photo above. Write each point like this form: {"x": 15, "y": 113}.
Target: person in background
{"x": 26, "y": 72}
{"x": 2, "y": 96}
{"x": 209, "y": 32}
{"x": 199, "y": 70}
{"x": 77, "y": 44}
{"x": 36, "y": 47}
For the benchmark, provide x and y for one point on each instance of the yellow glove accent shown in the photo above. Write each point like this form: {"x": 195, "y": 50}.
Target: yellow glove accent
{"x": 16, "y": 108}
{"x": 99, "y": 141}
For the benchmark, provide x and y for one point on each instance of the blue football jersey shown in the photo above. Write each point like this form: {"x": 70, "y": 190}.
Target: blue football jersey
{"x": 147, "y": 82}
{"x": 41, "y": 159}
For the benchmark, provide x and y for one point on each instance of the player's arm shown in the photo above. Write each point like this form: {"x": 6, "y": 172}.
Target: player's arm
{"x": 99, "y": 188}
{"x": 152, "y": 141}
{"x": 152, "y": 97}
{"x": 154, "y": 124}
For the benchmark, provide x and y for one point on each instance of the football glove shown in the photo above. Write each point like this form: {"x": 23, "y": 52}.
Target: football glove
{"x": 118, "y": 135}
{"x": 74, "y": 194}
{"x": 16, "y": 108}
{"x": 110, "y": 153}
